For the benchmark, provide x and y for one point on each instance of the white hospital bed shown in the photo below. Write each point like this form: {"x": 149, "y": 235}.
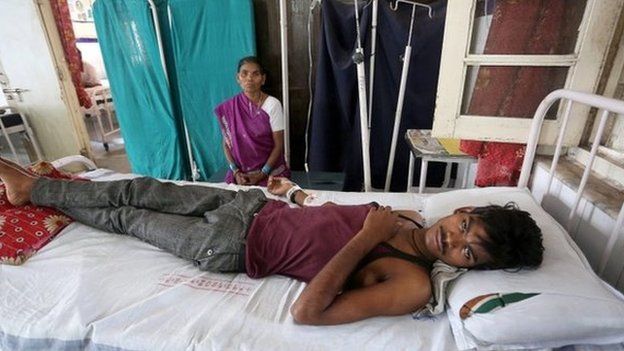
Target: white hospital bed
{"x": 96, "y": 291}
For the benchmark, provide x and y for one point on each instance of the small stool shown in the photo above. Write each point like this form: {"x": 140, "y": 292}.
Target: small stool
{"x": 429, "y": 149}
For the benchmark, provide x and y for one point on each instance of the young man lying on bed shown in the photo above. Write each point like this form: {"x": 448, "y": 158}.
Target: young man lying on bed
{"x": 359, "y": 261}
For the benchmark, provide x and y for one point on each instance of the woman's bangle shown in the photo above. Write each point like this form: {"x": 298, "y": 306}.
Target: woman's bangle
{"x": 233, "y": 167}
{"x": 266, "y": 169}
{"x": 290, "y": 194}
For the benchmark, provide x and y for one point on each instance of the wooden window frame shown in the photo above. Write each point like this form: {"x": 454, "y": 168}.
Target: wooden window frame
{"x": 586, "y": 63}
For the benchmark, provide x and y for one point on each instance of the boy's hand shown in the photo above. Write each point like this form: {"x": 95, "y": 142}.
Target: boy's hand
{"x": 381, "y": 223}
{"x": 279, "y": 185}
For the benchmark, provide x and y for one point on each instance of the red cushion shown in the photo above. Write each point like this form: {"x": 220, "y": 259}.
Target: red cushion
{"x": 26, "y": 229}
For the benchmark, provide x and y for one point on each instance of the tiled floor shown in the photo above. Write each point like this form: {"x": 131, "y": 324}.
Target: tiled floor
{"x": 115, "y": 158}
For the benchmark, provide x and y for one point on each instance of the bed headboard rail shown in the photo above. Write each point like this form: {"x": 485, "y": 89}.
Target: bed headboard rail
{"x": 606, "y": 106}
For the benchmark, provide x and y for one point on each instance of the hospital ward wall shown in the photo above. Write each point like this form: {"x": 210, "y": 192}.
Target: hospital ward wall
{"x": 266, "y": 15}
{"x": 43, "y": 104}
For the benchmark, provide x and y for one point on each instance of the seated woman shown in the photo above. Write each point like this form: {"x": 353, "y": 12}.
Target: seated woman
{"x": 252, "y": 124}
{"x": 360, "y": 261}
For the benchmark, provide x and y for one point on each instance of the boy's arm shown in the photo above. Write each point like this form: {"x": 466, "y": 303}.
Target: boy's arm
{"x": 323, "y": 302}
{"x": 284, "y": 187}
{"x": 396, "y": 296}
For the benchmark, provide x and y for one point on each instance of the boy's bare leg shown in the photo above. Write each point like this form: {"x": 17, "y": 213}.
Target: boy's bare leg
{"x": 17, "y": 181}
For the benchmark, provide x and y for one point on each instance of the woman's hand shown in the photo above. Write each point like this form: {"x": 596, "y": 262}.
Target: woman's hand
{"x": 255, "y": 178}
{"x": 279, "y": 185}
{"x": 381, "y": 224}
{"x": 241, "y": 178}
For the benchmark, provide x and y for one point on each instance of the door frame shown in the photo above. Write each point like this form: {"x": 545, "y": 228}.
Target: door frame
{"x": 68, "y": 90}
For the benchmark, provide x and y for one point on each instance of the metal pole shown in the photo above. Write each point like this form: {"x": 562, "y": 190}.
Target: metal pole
{"x": 553, "y": 165}
{"x": 194, "y": 169}
{"x": 371, "y": 75}
{"x": 587, "y": 171}
{"x": 285, "y": 85}
{"x": 399, "y": 108}
{"x": 358, "y": 58}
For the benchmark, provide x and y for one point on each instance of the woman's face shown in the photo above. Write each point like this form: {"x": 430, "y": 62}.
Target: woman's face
{"x": 250, "y": 78}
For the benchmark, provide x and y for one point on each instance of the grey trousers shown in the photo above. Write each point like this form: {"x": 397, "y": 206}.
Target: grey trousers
{"x": 205, "y": 225}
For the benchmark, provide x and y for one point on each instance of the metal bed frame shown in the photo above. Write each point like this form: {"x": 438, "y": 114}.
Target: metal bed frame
{"x": 606, "y": 106}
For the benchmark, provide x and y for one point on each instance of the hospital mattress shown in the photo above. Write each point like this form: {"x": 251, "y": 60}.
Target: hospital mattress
{"x": 93, "y": 290}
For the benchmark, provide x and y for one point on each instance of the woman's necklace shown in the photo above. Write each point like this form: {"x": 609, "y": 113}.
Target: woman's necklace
{"x": 256, "y": 104}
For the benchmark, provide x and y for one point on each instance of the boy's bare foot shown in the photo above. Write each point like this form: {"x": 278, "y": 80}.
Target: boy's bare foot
{"x": 18, "y": 167}
{"x": 17, "y": 181}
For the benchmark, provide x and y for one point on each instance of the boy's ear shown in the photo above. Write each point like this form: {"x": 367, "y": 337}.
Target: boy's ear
{"x": 465, "y": 209}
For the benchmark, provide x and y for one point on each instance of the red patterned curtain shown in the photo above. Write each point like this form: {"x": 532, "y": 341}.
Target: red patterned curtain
{"x": 68, "y": 39}
{"x": 517, "y": 27}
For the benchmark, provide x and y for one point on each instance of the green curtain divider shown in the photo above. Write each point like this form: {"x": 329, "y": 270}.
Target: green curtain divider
{"x": 204, "y": 43}
{"x": 140, "y": 90}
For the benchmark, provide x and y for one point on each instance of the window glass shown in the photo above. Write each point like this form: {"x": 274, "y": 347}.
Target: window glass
{"x": 512, "y": 27}
{"x": 510, "y": 91}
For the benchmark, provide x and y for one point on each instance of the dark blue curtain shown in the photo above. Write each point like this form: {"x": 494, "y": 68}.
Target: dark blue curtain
{"x": 335, "y": 131}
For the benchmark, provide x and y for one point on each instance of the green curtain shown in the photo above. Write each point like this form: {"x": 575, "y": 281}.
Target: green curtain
{"x": 149, "y": 126}
{"x": 203, "y": 41}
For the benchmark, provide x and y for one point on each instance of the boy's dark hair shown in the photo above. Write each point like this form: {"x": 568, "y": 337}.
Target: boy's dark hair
{"x": 514, "y": 239}
{"x": 250, "y": 59}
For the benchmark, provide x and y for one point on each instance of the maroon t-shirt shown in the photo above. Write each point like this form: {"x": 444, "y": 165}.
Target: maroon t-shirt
{"x": 298, "y": 242}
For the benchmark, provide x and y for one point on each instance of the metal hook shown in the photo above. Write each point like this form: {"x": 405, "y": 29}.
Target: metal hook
{"x": 413, "y": 3}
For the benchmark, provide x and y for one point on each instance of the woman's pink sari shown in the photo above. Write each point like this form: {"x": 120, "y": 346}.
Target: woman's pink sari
{"x": 247, "y": 132}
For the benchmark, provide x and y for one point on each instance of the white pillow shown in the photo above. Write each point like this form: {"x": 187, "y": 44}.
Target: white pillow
{"x": 573, "y": 306}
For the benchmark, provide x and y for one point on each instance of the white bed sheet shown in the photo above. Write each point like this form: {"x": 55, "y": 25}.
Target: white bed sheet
{"x": 96, "y": 291}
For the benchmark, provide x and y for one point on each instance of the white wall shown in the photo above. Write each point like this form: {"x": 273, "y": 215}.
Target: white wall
{"x": 27, "y": 60}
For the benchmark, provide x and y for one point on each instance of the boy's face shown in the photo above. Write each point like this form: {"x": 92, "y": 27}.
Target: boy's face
{"x": 458, "y": 239}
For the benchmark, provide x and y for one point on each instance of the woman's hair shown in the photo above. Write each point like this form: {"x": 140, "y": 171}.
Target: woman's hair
{"x": 250, "y": 59}
{"x": 514, "y": 239}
